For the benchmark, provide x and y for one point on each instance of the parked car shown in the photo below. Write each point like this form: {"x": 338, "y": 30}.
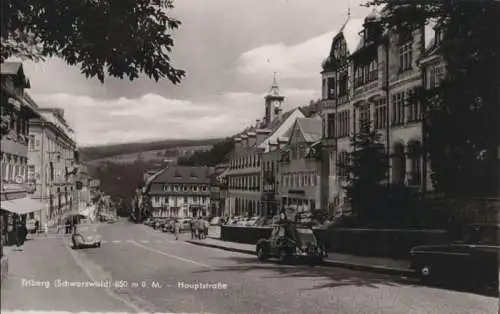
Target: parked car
{"x": 85, "y": 236}
{"x": 252, "y": 221}
{"x": 290, "y": 241}
{"x": 474, "y": 253}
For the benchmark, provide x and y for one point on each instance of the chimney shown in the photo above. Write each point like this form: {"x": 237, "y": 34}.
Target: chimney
{"x": 244, "y": 141}
{"x": 252, "y": 139}
{"x": 282, "y": 142}
{"x": 237, "y": 143}
{"x": 262, "y": 134}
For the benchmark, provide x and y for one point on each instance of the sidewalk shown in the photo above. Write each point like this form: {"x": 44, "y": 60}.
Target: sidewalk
{"x": 373, "y": 264}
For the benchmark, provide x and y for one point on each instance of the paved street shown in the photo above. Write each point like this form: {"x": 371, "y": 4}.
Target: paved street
{"x": 136, "y": 255}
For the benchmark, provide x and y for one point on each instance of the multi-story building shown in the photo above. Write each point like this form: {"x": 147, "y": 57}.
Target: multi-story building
{"x": 300, "y": 168}
{"x": 244, "y": 175}
{"x": 52, "y": 166}
{"x": 270, "y": 201}
{"x": 17, "y": 108}
{"x": 369, "y": 76}
{"x": 181, "y": 192}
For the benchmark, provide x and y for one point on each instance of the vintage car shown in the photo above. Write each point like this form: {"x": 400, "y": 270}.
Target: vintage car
{"x": 290, "y": 241}
{"x": 473, "y": 255}
{"x": 85, "y": 236}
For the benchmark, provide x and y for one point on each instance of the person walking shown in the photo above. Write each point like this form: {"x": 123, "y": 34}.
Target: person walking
{"x": 21, "y": 233}
{"x": 191, "y": 228}
{"x": 177, "y": 229}
{"x": 46, "y": 229}
{"x": 37, "y": 226}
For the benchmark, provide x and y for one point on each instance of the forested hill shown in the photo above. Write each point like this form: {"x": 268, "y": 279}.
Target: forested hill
{"x": 104, "y": 151}
{"x": 219, "y": 153}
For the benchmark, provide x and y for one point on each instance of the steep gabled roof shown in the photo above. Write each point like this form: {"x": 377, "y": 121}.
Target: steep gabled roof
{"x": 280, "y": 128}
{"x": 311, "y": 129}
{"x": 351, "y": 32}
{"x": 181, "y": 174}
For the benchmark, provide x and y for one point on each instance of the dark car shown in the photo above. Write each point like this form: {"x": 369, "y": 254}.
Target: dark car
{"x": 85, "y": 236}
{"x": 290, "y": 241}
{"x": 472, "y": 255}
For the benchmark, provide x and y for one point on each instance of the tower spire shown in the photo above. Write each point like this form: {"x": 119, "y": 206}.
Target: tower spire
{"x": 275, "y": 89}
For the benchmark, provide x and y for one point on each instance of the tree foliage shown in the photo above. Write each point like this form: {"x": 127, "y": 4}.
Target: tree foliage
{"x": 217, "y": 154}
{"x": 367, "y": 169}
{"x": 121, "y": 180}
{"x": 461, "y": 115}
{"x": 122, "y": 38}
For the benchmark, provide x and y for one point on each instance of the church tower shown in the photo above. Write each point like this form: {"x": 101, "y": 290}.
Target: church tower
{"x": 274, "y": 102}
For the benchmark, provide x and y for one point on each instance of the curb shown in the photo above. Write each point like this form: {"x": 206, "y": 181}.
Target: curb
{"x": 221, "y": 247}
{"x": 330, "y": 263}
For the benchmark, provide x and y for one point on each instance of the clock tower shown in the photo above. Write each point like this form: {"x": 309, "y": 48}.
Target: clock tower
{"x": 274, "y": 102}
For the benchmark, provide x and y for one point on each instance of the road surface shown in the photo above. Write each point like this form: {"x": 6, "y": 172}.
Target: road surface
{"x": 152, "y": 272}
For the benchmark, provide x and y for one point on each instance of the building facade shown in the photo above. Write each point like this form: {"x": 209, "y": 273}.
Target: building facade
{"x": 52, "y": 164}
{"x": 17, "y": 109}
{"x": 370, "y": 75}
{"x": 245, "y": 180}
{"x": 181, "y": 192}
{"x": 300, "y": 168}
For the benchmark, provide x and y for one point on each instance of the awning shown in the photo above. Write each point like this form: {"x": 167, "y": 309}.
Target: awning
{"x": 22, "y": 206}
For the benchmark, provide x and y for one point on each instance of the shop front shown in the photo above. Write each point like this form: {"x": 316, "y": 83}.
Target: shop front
{"x": 15, "y": 205}
{"x": 269, "y": 203}
{"x": 298, "y": 201}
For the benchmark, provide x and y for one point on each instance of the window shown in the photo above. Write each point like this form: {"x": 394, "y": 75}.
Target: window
{"x": 405, "y": 56}
{"x": 342, "y": 170}
{"x": 313, "y": 179}
{"x": 195, "y": 199}
{"x": 414, "y": 110}
{"x": 364, "y": 116}
{"x": 343, "y": 123}
{"x": 398, "y": 109}
{"x": 331, "y": 125}
{"x": 32, "y": 142}
{"x": 380, "y": 114}
{"x": 343, "y": 87}
{"x": 302, "y": 151}
{"x": 331, "y": 88}
{"x": 185, "y": 199}
{"x": 435, "y": 75}
{"x": 358, "y": 76}
{"x": 373, "y": 71}
{"x": 31, "y": 172}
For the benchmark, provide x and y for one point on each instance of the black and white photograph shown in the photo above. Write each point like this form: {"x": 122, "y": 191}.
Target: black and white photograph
{"x": 250, "y": 156}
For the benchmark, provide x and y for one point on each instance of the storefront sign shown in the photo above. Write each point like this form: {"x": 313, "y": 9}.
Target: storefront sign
{"x": 299, "y": 192}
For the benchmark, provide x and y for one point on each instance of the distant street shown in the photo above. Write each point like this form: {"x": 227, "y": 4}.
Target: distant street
{"x": 238, "y": 283}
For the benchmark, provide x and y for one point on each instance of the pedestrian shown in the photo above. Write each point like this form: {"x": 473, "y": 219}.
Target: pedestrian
{"x": 177, "y": 229}
{"x": 37, "y": 226}
{"x": 21, "y": 233}
{"x": 46, "y": 229}
{"x": 191, "y": 228}
{"x": 206, "y": 225}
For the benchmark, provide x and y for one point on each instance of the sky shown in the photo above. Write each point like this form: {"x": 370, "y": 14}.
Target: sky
{"x": 229, "y": 49}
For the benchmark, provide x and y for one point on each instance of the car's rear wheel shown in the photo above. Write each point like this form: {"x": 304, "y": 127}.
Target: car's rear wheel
{"x": 98, "y": 244}
{"x": 284, "y": 257}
